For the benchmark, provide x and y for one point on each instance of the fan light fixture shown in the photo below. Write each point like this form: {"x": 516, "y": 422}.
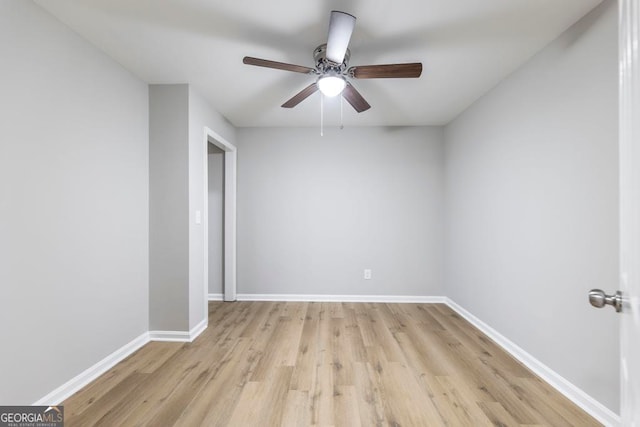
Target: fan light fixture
{"x": 331, "y": 85}
{"x": 331, "y": 70}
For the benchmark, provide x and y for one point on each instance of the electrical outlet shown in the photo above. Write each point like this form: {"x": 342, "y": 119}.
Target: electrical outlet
{"x": 367, "y": 274}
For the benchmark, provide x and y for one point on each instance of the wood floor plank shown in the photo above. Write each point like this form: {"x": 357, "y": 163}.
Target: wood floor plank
{"x": 341, "y": 357}
{"x": 321, "y": 404}
{"x": 421, "y": 312}
{"x": 136, "y": 362}
{"x": 248, "y": 408}
{"x": 498, "y": 415}
{"x": 162, "y": 352}
{"x": 369, "y": 397}
{"x": 287, "y": 333}
{"x": 422, "y": 356}
{"x": 217, "y": 400}
{"x": 353, "y": 336}
{"x": 402, "y": 396}
{"x": 345, "y": 403}
{"x": 324, "y": 364}
{"x": 335, "y": 310}
{"x": 366, "y": 324}
{"x": 448, "y": 408}
{"x": 172, "y": 406}
{"x": 462, "y": 400}
{"x": 256, "y": 319}
{"x": 324, "y": 350}
{"x": 555, "y": 408}
{"x": 180, "y": 371}
{"x": 274, "y": 397}
{"x": 488, "y": 387}
{"x": 384, "y": 336}
{"x": 106, "y": 403}
{"x": 296, "y": 412}
{"x": 307, "y": 350}
{"x": 484, "y": 347}
{"x": 263, "y": 402}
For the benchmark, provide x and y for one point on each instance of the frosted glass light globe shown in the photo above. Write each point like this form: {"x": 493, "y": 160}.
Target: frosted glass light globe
{"x": 331, "y": 85}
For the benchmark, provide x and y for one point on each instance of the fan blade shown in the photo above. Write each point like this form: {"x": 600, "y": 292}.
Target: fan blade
{"x": 277, "y": 65}
{"x": 301, "y": 96}
{"x": 388, "y": 71}
{"x": 354, "y": 98}
{"x": 340, "y": 28}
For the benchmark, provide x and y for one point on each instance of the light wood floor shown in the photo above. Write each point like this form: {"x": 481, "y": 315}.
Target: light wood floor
{"x": 324, "y": 364}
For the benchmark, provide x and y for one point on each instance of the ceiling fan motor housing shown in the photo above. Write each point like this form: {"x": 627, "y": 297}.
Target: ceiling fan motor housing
{"x": 324, "y": 66}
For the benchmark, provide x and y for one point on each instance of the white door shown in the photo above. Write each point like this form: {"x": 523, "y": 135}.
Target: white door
{"x": 630, "y": 210}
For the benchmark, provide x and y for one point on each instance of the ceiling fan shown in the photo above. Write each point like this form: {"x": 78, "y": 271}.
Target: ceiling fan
{"x": 332, "y": 66}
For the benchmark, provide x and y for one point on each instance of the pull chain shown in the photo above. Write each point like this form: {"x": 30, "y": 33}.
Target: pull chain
{"x": 321, "y": 114}
{"x": 341, "y": 117}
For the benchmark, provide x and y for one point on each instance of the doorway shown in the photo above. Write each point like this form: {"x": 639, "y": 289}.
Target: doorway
{"x": 219, "y": 218}
{"x": 216, "y": 222}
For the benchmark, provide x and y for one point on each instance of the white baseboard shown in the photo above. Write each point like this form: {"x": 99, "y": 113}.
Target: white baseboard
{"x": 179, "y": 336}
{"x": 198, "y": 329}
{"x": 341, "y": 298}
{"x": 72, "y": 386}
{"x": 169, "y": 336}
{"x": 67, "y": 389}
{"x": 215, "y": 297}
{"x": 569, "y": 390}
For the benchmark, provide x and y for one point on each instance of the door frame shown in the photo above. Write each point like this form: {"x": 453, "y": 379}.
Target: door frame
{"x": 229, "y": 215}
{"x": 629, "y": 146}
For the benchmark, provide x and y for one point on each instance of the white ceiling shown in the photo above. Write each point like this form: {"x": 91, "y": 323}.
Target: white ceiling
{"x": 466, "y": 47}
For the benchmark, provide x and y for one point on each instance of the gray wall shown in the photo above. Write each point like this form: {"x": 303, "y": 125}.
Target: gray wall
{"x": 74, "y": 204}
{"x": 314, "y": 211}
{"x": 178, "y": 117}
{"x": 216, "y": 219}
{"x": 201, "y": 115}
{"x": 169, "y": 207}
{"x": 531, "y": 205}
